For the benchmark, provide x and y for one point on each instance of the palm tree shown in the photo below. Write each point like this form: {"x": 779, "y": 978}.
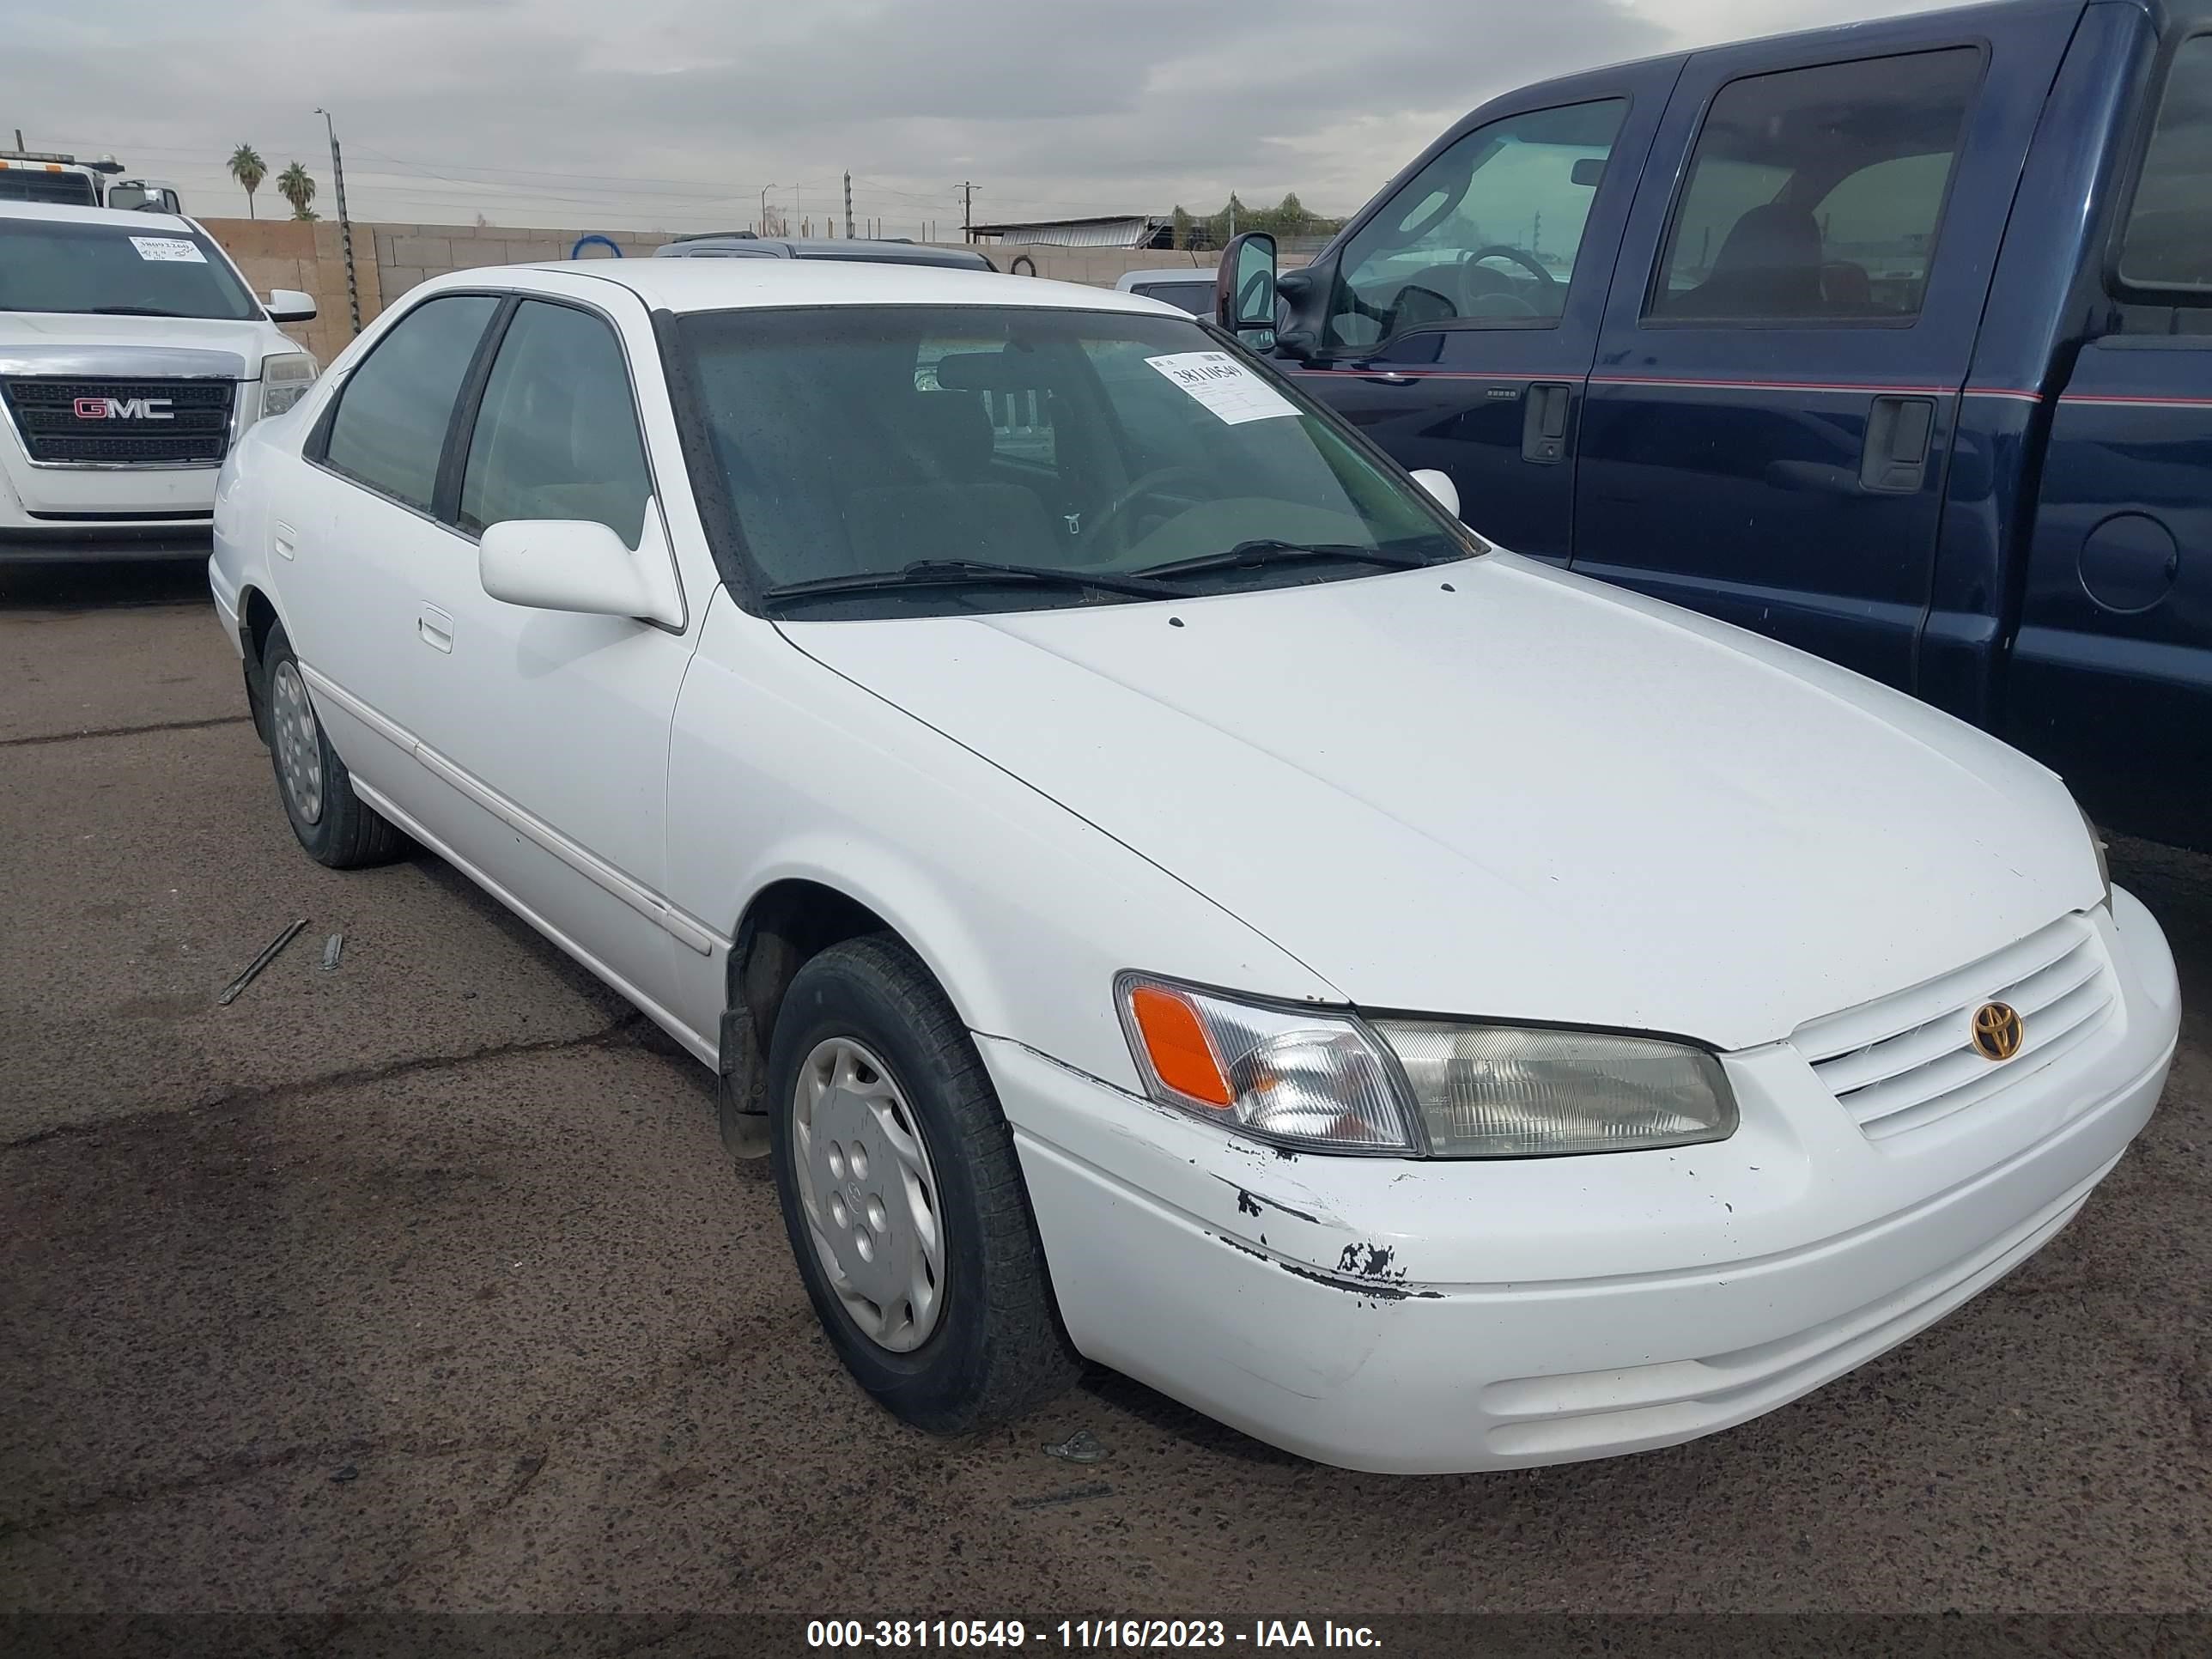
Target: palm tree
{"x": 249, "y": 169}
{"x": 295, "y": 186}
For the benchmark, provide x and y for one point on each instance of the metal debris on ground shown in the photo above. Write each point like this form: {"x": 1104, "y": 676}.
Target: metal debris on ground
{"x": 230, "y": 992}
{"x": 1072, "y": 1495}
{"x": 332, "y": 947}
{"x": 1081, "y": 1447}
{"x": 349, "y": 1473}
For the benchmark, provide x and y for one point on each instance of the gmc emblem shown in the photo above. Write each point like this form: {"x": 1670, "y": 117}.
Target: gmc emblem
{"x": 124, "y": 409}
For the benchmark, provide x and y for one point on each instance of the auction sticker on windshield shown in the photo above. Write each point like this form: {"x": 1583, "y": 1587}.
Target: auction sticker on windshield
{"x": 1224, "y": 386}
{"x": 174, "y": 249}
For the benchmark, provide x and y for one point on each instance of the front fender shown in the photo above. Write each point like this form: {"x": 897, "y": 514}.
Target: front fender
{"x": 781, "y": 768}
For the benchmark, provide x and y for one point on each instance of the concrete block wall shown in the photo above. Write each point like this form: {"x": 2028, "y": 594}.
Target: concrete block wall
{"x": 409, "y": 254}
{"x": 307, "y": 256}
{"x": 389, "y": 259}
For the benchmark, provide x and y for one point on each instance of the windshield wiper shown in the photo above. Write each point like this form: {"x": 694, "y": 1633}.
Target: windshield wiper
{"x": 1267, "y": 550}
{"x": 939, "y": 573}
{"x": 131, "y": 311}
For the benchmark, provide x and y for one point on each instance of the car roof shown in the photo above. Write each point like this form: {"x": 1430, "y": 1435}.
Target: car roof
{"x": 85, "y": 216}
{"x": 691, "y": 285}
{"x": 1167, "y": 274}
{"x": 796, "y": 248}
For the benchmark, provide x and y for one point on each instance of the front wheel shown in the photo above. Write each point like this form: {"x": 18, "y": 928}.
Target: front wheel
{"x": 903, "y": 1197}
{"x": 334, "y": 825}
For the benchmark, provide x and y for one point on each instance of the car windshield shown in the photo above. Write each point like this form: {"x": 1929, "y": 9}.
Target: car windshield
{"x": 57, "y": 265}
{"x": 885, "y": 444}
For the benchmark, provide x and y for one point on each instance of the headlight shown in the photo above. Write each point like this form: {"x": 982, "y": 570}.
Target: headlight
{"x": 285, "y": 378}
{"x": 1497, "y": 1092}
{"x": 1427, "y": 1087}
{"x": 1285, "y": 1073}
{"x": 2097, "y": 846}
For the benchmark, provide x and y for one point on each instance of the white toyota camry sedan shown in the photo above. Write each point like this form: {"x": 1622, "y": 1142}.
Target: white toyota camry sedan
{"x": 1160, "y": 889}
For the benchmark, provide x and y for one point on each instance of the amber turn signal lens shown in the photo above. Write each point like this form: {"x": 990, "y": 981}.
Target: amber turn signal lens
{"x": 1175, "y": 1043}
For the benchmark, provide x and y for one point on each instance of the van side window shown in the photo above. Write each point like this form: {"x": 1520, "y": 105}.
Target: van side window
{"x": 2169, "y": 238}
{"x": 1815, "y": 195}
{"x": 389, "y": 429}
{"x": 1484, "y": 235}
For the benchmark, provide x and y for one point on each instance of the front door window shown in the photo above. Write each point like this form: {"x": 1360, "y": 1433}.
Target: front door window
{"x": 1485, "y": 235}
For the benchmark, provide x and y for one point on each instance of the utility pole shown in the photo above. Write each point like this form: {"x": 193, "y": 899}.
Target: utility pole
{"x": 966, "y": 212}
{"x": 765, "y": 191}
{"x": 345, "y": 225}
{"x": 849, "y": 207}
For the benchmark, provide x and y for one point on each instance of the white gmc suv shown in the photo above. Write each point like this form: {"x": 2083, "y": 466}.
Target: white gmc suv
{"x": 132, "y": 355}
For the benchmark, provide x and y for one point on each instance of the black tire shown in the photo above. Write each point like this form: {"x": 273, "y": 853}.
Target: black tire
{"x": 997, "y": 1349}
{"x": 346, "y": 833}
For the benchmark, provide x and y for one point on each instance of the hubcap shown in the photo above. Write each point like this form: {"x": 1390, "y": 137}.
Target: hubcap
{"x": 870, "y": 1194}
{"x": 299, "y": 744}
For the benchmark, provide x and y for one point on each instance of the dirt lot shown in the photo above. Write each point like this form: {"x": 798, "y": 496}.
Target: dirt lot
{"x": 422, "y": 1284}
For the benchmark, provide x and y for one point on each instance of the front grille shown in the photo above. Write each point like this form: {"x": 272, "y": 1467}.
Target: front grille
{"x": 188, "y": 425}
{"x": 1909, "y": 1060}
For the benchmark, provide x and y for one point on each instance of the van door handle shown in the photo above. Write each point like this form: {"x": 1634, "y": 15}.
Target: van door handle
{"x": 1898, "y": 433}
{"x": 1544, "y": 422}
{"x": 435, "y": 628}
{"x": 1387, "y": 377}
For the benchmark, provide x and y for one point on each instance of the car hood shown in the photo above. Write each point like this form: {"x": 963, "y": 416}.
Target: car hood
{"x": 1493, "y": 789}
{"x": 63, "y": 343}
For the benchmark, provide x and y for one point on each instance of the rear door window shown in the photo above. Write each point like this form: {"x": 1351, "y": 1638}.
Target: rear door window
{"x": 1816, "y": 195}
{"x": 2168, "y": 243}
{"x": 389, "y": 429}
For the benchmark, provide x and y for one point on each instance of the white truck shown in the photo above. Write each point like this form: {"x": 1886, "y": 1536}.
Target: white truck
{"x": 41, "y": 176}
{"x": 132, "y": 356}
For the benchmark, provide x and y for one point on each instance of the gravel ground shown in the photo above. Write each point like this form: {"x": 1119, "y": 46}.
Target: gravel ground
{"x": 422, "y": 1286}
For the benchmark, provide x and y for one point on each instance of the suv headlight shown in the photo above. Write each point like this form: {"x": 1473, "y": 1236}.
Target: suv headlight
{"x": 1330, "y": 1080}
{"x": 285, "y": 378}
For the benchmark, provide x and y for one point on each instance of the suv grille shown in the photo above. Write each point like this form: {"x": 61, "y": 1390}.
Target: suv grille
{"x": 139, "y": 423}
{"x": 1908, "y": 1060}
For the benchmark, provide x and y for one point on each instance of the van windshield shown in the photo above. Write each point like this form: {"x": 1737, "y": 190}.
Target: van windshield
{"x": 1097, "y": 450}
{"x": 57, "y": 266}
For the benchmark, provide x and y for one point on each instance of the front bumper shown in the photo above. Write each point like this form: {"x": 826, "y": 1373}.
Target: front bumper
{"x": 1429, "y": 1317}
{"x": 98, "y": 515}
{"x": 91, "y": 543}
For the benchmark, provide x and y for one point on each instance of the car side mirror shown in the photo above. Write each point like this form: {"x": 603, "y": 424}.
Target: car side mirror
{"x": 1438, "y": 488}
{"x": 288, "y": 305}
{"x": 580, "y": 565}
{"x": 1244, "y": 288}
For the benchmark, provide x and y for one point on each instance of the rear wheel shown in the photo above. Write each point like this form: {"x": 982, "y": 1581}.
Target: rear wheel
{"x": 335, "y": 825}
{"x": 903, "y": 1197}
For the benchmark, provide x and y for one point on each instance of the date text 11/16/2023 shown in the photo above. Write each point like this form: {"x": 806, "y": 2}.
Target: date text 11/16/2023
{"x": 893, "y": 1635}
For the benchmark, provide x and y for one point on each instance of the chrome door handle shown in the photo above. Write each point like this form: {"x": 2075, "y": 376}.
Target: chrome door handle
{"x": 436, "y": 629}
{"x": 1387, "y": 377}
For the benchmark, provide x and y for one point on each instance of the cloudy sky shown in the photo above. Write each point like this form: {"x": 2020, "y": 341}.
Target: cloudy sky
{"x": 544, "y": 113}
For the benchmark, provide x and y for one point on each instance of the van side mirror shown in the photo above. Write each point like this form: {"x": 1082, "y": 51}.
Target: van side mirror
{"x": 580, "y": 565}
{"x": 1589, "y": 172}
{"x": 288, "y": 305}
{"x": 1244, "y": 288}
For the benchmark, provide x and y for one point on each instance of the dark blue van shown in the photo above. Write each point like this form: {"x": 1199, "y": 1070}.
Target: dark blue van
{"x": 1892, "y": 341}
